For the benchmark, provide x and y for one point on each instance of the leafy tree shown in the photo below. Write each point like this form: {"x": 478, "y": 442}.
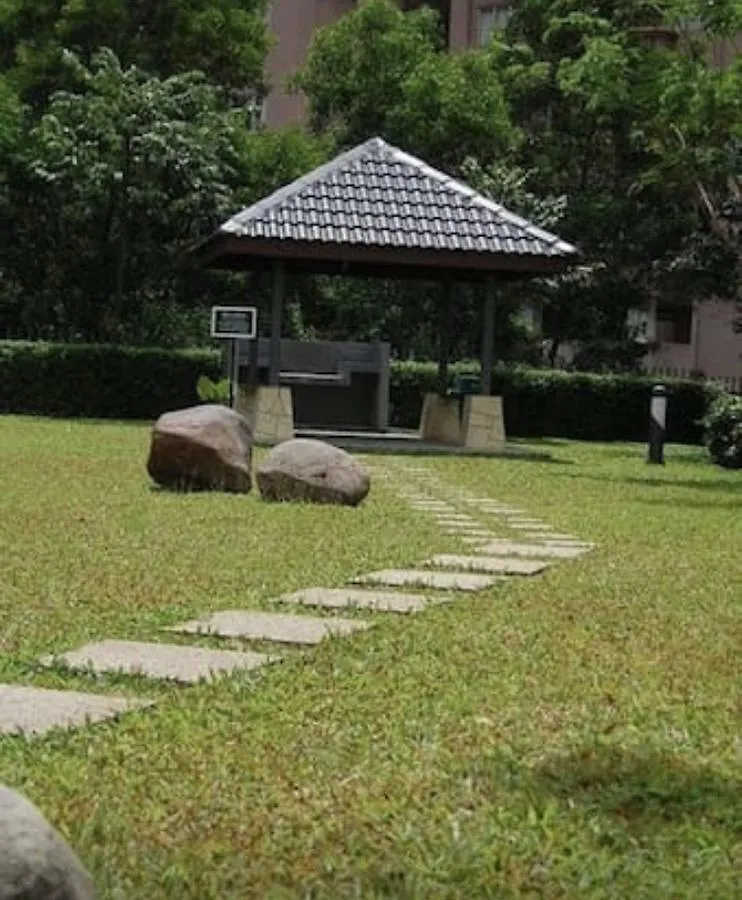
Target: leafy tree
{"x": 380, "y": 71}
{"x": 11, "y": 120}
{"x": 574, "y": 102}
{"x": 116, "y": 181}
{"x": 225, "y": 39}
{"x": 626, "y": 130}
{"x": 112, "y": 187}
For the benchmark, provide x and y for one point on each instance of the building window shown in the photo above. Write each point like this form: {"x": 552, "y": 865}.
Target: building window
{"x": 490, "y": 20}
{"x": 254, "y": 106}
{"x": 674, "y": 324}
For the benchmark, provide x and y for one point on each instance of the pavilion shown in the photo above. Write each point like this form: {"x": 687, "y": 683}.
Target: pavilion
{"x": 377, "y": 211}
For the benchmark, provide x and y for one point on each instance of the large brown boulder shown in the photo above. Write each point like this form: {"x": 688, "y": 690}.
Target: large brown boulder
{"x": 313, "y": 472}
{"x": 203, "y": 448}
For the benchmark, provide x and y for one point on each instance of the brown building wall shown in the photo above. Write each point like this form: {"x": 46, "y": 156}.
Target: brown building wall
{"x": 725, "y": 52}
{"x": 292, "y": 24}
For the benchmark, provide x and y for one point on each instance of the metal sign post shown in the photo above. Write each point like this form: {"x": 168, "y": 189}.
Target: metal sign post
{"x": 235, "y": 324}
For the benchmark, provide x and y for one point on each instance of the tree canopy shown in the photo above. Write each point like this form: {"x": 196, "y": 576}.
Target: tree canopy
{"x": 225, "y": 39}
{"x": 125, "y": 136}
{"x": 573, "y": 95}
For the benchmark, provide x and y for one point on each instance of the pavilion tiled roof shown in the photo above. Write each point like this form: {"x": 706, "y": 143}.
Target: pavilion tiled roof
{"x": 377, "y": 196}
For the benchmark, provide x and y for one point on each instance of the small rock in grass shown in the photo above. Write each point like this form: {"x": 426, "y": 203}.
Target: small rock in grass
{"x": 314, "y": 472}
{"x": 36, "y": 863}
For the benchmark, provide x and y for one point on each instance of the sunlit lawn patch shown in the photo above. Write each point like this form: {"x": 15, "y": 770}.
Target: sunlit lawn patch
{"x": 572, "y": 734}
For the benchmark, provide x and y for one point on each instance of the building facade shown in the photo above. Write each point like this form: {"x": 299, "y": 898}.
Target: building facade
{"x": 695, "y": 340}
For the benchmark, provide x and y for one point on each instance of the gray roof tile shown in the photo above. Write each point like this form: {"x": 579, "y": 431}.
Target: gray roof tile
{"x": 378, "y": 196}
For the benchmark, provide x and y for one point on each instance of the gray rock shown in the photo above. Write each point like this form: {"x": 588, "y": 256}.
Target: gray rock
{"x": 206, "y": 448}
{"x": 314, "y": 472}
{"x": 35, "y": 861}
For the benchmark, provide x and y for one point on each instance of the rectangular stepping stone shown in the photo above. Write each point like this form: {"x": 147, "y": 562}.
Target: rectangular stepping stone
{"x": 348, "y": 598}
{"x": 493, "y": 565}
{"x": 543, "y": 536}
{"x": 503, "y": 510}
{"x": 457, "y": 521}
{"x": 585, "y": 545}
{"x": 32, "y": 710}
{"x": 519, "y": 526}
{"x": 537, "y": 551}
{"x": 442, "y": 581}
{"x": 532, "y": 523}
{"x": 266, "y": 626}
{"x": 479, "y": 533}
{"x": 166, "y": 661}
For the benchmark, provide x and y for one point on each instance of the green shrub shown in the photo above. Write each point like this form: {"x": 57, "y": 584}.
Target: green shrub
{"x": 723, "y": 431}
{"x": 213, "y": 391}
{"x": 100, "y": 381}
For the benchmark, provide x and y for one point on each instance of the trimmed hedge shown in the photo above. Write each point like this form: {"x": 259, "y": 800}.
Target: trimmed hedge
{"x": 100, "y": 381}
{"x": 549, "y": 403}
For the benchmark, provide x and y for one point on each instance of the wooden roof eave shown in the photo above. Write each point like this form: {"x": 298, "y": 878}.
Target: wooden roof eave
{"x": 224, "y": 250}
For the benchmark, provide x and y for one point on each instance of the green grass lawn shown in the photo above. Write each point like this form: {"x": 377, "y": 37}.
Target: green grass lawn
{"x": 572, "y": 735}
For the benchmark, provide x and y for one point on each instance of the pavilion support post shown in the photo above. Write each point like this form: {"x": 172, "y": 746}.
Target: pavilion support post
{"x": 445, "y": 304}
{"x": 253, "y": 375}
{"x": 488, "y": 340}
{"x": 483, "y": 423}
{"x": 279, "y": 286}
{"x": 269, "y": 407}
{"x": 440, "y": 422}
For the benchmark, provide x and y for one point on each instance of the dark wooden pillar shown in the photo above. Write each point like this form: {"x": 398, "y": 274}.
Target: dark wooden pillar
{"x": 488, "y": 339}
{"x": 279, "y": 284}
{"x": 445, "y": 318}
{"x": 253, "y": 285}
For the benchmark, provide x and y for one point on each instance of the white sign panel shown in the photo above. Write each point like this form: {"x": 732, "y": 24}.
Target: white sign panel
{"x": 237, "y": 322}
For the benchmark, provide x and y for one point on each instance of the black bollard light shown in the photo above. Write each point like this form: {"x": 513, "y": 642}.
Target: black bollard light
{"x": 657, "y": 425}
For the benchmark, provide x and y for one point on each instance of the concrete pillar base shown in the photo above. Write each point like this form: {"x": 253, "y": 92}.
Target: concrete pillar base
{"x": 440, "y": 422}
{"x": 270, "y": 412}
{"x": 479, "y": 426}
{"x": 483, "y": 423}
